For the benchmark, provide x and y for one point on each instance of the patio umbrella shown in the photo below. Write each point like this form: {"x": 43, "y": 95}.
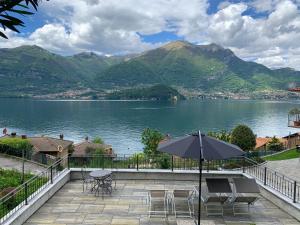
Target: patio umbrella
{"x": 200, "y": 147}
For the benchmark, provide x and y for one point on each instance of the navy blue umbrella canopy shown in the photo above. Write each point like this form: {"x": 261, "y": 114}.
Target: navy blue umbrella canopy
{"x": 211, "y": 149}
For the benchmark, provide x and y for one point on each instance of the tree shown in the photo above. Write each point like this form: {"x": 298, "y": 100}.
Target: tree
{"x": 243, "y": 137}
{"x": 223, "y": 135}
{"x": 295, "y": 113}
{"x": 9, "y": 9}
{"x": 98, "y": 140}
{"x": 151, "y": 139}
{"x": 275, "y": 144}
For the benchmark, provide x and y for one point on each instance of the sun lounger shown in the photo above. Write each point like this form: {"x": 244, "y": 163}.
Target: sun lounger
{"x": 246, "y": 192}
{"x": 182, "y": 198}
{"x": 215, "y": 194}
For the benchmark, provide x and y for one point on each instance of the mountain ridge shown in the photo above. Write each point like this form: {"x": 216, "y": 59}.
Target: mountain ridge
{"x": 32, "y": 70}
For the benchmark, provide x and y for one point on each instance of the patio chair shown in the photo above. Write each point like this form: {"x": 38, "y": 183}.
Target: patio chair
{"x": 156, "y": 199}
{"x": 86, "y": 180}
{"x": 180, "y": 198}
{"x": 214, "y": 195}
{"x": 246, "y": 192}
{"x": 105, "y": 185}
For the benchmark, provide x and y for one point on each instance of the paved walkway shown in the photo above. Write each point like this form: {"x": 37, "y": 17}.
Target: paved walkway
{"x": 289, "y": 167}
{"x": 11, "y": 163}
{"x": 128, "y": 206}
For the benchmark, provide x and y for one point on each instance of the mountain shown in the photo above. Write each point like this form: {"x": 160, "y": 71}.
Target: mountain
{"x": 31, "y": 70}
{"x": 205, "y": 67}
{"x": 92, "y": 64}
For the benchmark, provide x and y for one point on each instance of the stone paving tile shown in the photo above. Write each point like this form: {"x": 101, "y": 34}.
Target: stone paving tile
{"x": 125, "y": 221}
{"x": 39, "y": 218}
{"x": 65, "y": 208}
{"x": 84, "y": 208}
{"x": 71, "y": 218}
{"x": 127, "y": 206}
{"x": 96, "y": 219}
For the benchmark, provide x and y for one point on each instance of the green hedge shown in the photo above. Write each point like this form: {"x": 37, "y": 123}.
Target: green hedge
{"x": 14, "y": 146}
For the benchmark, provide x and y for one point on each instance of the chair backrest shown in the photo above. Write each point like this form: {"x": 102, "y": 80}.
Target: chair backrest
{"x": 108, "y": 180}
{"x": 218, "y": 185}
{"x": 157, "y": 193}
{"x": 181, "y": 193}
{"x": 245, "y": 185}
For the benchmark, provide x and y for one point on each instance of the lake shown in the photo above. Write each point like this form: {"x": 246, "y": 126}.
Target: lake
{"x": 120, "y": 123}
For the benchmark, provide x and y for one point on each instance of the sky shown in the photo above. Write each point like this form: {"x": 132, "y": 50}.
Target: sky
{"x": 264, "y": 31}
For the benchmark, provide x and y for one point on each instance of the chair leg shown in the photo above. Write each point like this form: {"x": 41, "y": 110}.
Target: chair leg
{"x": 174, "y": 205}
{"x": 165, "y": 211}
{"x": 150, "y": 207}
{"x": 189, "y": 208}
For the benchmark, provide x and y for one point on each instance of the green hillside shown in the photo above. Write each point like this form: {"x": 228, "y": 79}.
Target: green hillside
{"x": 31, "y": 70}
{"x": 207, "y": 67}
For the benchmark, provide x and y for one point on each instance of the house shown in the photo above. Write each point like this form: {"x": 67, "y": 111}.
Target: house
{"x": 86, "y": 147}
{"x": 262, "y": 143}
{"x": 56, "y": 147}
{"x": 46, "y": 150}
{"x": 292, "y": 140}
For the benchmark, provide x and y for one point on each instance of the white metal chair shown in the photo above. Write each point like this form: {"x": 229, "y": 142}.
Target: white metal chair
{"x": 156, "y": 199}
{"x": 182, "y": 197}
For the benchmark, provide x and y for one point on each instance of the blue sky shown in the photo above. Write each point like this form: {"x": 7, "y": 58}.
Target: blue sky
{"x": 265, "y": 31}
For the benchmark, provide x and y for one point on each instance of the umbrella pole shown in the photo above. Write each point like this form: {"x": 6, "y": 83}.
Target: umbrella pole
{"x": 199, "y": 198}
{"x": 200, "y": 176}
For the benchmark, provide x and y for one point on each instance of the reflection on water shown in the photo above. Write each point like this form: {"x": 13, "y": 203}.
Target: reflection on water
{"x": 120, "y": 123}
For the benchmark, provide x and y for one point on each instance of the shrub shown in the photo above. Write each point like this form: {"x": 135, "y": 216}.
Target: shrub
{"x": 243, "y": 137}
{"x": 275, "y": 145}
{"x": 14, "y": 146}
{"x": 98, "y": 140}
{"x": 164, "y": 161}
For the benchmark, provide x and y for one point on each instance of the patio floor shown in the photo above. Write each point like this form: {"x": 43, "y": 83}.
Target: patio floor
{"x": 128, "y": 206}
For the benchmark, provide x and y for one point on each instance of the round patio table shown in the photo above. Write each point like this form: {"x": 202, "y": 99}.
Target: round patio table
{"x": 100, "y": 176}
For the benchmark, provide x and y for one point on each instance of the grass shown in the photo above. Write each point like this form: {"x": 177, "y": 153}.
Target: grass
{"x": 11, "y": 179}
{"x": 290, "y": 154}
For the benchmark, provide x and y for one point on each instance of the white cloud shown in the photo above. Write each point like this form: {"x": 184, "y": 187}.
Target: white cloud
{"x": 113, "y": 27}
{"x": 266, "y": 40}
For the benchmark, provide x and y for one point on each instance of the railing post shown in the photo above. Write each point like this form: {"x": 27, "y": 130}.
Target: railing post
{"x": 137, "y": 162}
{"x": 207, "y": 165}
{"x": 103, "y": 161}
{"x": 172, "y": 163}
{"x": 265, "y": 176}
{"x": 68, "y": 158}
{"x": 51, "y": 174}
{"x": 26, "y": 193}
{"x": 295, "y": 191}
{"x": 244, "y": 164}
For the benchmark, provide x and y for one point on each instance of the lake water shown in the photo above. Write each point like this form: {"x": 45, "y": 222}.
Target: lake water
{"x": 120, "y": 123}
